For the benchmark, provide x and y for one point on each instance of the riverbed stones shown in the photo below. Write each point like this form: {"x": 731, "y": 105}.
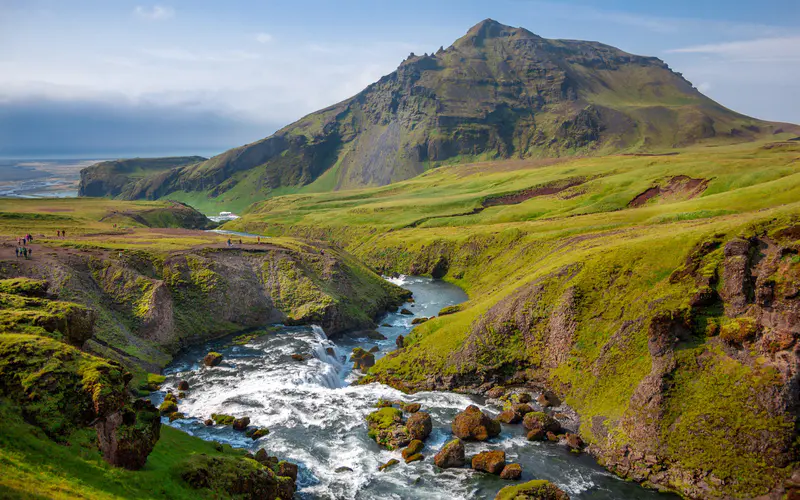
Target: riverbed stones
{"x": 212, "y": 359}
{"x": 538, "y": 489}
{"x": 183, "y": 385}
{"x": 400, "y": 341}
{"x": 388, "y": 464}
{"x": 418, "y": 321}
{"x": 496, "y": 392}
{"x": 492, "y": 461}
{"x": 208, "y": 422}
{"x": 451, "y": 455}
{"x": 573, "y": 442}
{"x": 419, "y": 425}
{"x": 509, "y": 417}
{"x": 539, "y": 424}
{"x": 298, "y": 357}
{"x": 240, "y": 424}
{"x": 413, "y": 448}
{"x": 473, "y": 425}
{"x": 511, "y": 472}
{"x": 387, "y": 428}
{"x": 406, "y": 312}
{"x": 374, "y": 349}
{"x": 411, "y": 407}
{"x": 362, "y": 359}
{"x": 259, "y": 433}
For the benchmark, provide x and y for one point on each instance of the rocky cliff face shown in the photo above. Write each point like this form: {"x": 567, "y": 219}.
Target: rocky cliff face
{"x": 688, "y": 384}
{"x": 148, "y": 305}
{"x": 117, "y": 177}
{"x": 497, "y": 92}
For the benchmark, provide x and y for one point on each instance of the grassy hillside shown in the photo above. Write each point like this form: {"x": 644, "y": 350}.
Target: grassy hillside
{"x": 497, "y": 93}
{"x": 656, "y": 294}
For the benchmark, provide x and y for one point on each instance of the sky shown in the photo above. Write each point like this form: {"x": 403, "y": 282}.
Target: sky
{"x": 96, "y": 77}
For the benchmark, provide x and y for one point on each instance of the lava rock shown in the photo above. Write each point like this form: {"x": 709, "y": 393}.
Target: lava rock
{"x": 212, "y": 359}
{"x": 451, "y": 455}
{"x": 406, "y": 312}
{"x": 511, "y": 472}
{"x": 492, "y": 462}
{"x": 473, "y": 424}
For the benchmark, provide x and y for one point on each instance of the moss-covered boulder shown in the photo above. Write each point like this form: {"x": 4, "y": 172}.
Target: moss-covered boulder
{"x": 66, "y": 321}
{"x": 240, "y": 424}
{"x": 24, "y": 286}
{"x": 387, "y": 428}
{"x": 473, "y": 425}
{"x": 413, "y": 448}
{"x": 168, "y": 407}
{"x": 492, "y": 461}
{"x": 362, "y": 359}
{"x": 259, "y": 433}
{"x": 511, "y": 472}
{"x": 532, "y": 490}
{"x": 128, "y": 436}
{"x": 451, "y": 455}
{"x": 419, "y": 425}
{"x": 222, "y": 419}
{"x": 212, "y": 359}
{"x": 539, "y": 424}
{"x": 236, "y": 477}
{"x": 388, "y": 464}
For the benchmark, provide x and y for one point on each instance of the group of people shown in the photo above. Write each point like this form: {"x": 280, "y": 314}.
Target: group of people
{"x": 22, "y": 247}
{"x": 231, "y": 242}
{"x": 61, "y": 234}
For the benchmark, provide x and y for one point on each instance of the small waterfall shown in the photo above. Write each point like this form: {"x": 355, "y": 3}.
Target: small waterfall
{"x": 328, "y": 354}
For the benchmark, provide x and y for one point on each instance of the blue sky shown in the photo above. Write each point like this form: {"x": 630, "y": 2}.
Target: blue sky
{"x": 181, "y": 76}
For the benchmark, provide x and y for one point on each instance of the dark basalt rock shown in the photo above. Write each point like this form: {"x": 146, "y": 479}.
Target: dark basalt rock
{"x": 451, "y": 455}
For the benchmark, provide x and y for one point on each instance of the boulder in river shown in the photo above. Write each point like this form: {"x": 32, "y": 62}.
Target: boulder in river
{"x": 511, "y": 472}
{"x": 222, "y": 419}
{"x": 259, "y": 433}
{"x": 340, "y": 470}
{"x": 387, "y": 428}
{"x": 168, "y": 407}
{"x": 413, "y": 448}
{"x": 386, "y": 325}
{"x": 538, "y": 489}
{"x": 240, "y": 424}
{"x": 548, "y": 399}
{"x": 298, "y": 357}
{"x": 495, "y": 392}
{"x": 451, "y": 455}
{"x": 375, "y": 335}
{"x": 417, "y": 457}
{"x": 374, "y": 349}
{"x": 176, "y": 416}
{"x": 287, "y": 469}
{"x": 509, "y": 417}
{"x": 363, "y": 359}
{"x": 183, "y": 385}
{"x": 406, "y": 312}
{"x": 539, "y": 424}
{"x": 573, "y": 442}
{"x": 212, "y": 359}
{"x": 388, "y": 464}
{"x": 473, "y": 425}
{"x": 492, "y": 462}
{"x": 411, "y": 407}
{"x": 419, "y": 425}
{"x": 208, "y": 422}
{"x": 418, "y": 321}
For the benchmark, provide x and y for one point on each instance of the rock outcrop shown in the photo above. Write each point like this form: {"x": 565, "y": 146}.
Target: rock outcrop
{"x": 473, "y": 425}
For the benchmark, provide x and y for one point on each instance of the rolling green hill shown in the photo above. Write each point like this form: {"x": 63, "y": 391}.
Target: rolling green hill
{"x": 496, "y": 93}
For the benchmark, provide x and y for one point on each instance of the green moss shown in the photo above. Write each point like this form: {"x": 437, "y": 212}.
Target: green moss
{"x": 24, "y": 286}
{"x": 222, "y": 419}
{"x": 538, "y": 489}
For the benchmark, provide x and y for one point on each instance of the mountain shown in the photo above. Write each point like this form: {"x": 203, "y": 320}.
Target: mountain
{"x": 498, "y": 92}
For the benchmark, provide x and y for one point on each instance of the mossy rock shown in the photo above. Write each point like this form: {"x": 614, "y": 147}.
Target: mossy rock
{"x": 449, "y": 310}
{"x": 259, "y": 433}
{"x": 24, "y": 286}
{"x": 222, "y": 419}
{"x": 59, "y": 387}
{"x": 168, "y": 407}
{"x": 237, "y": 477}
{"x": 532, "y": 490}
{"x": 212, "y": 359}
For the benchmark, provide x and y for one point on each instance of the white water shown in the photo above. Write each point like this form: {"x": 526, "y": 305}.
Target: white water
{"x": 316, "y": 417}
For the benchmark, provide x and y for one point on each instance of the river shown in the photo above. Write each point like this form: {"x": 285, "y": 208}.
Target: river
{"x": 316, "y": 416}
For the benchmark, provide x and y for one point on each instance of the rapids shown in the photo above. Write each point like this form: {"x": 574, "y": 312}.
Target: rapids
{"x": 316, "y": 416}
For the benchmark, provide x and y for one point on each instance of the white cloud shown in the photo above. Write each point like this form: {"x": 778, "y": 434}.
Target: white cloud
{"x": 183, "y": 55}
{"x": 154, "y": 13}
{"x": 263, "y": 38}
{"x": 779, "y": 49}
{"x": 704, "y": 87}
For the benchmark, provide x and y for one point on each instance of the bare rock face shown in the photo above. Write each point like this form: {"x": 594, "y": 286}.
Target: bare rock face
{"x": 492, "y": 462}
{"x": 128, "y": 436}
{"x": 737, "y": 288}
{"x": 473, "y": 425}
{"x": 451, "y": 455}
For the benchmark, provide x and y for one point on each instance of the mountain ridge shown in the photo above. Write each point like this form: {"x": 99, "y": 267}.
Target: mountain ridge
{"x": 497, "y": 92}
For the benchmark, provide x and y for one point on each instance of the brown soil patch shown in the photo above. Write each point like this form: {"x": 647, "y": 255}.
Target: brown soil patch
{"x": 527, "y": 194}
{"x": 680, "y": 187}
